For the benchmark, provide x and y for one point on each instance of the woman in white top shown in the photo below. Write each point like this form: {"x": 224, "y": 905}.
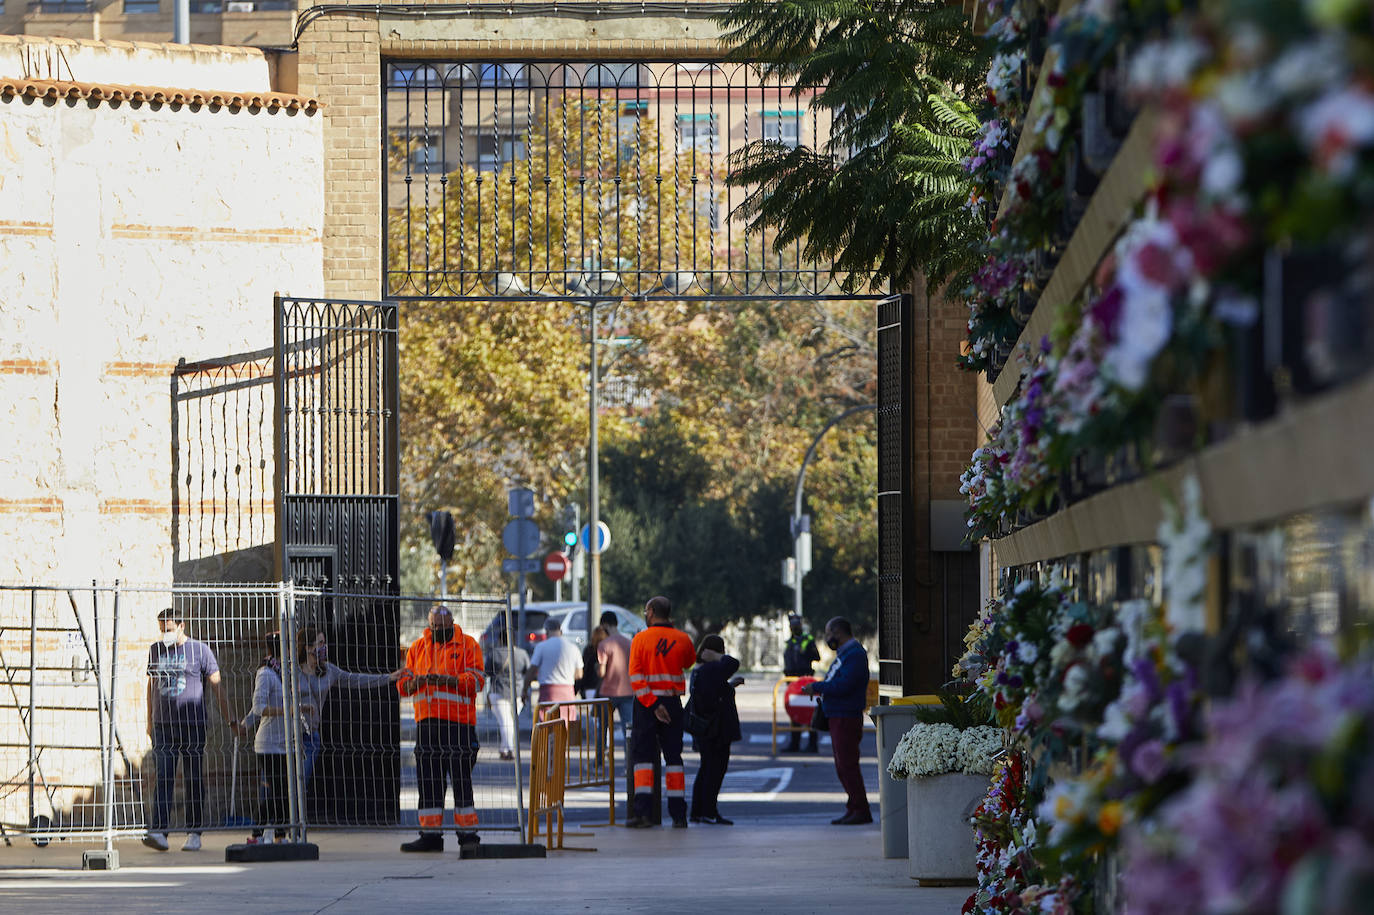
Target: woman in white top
{"x": 315, "y": 678}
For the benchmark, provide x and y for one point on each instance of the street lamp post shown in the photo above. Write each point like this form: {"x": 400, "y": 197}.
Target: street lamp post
{"x": 797, "y": 504}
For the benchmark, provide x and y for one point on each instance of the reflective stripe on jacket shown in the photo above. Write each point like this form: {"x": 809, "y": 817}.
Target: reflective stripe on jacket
{"x": 659, "y": 658}
{"x": 458, "y": 657}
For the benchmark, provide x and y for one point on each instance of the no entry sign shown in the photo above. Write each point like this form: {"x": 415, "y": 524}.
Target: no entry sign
{"x": 556, "y": 565}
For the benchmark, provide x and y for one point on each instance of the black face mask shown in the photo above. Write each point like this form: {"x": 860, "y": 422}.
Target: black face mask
{"x": 833, "y": 642}
{"x": 441, "y": 633}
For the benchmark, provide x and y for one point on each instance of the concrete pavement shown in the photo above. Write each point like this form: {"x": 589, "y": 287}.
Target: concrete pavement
{"x": 752, "y": 866}
{"x": 781, "y": 856}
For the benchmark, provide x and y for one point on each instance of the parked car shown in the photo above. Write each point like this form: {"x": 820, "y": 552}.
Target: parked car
{"x": 530, "y": 628}
{"x": 573, "y": 617}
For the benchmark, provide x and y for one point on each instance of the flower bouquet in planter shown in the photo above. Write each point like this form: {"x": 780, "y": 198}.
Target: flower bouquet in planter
{"x": 946, "y": 760}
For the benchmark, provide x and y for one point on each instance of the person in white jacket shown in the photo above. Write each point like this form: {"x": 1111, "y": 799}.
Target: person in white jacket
{"x": 315, "y": 678}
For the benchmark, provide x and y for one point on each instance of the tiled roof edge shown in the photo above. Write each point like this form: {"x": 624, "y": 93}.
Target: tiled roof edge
{"x": 105, "y": 92}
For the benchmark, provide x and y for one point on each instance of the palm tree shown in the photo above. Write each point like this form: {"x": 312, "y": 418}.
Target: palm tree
{"x": 883, "y": 198}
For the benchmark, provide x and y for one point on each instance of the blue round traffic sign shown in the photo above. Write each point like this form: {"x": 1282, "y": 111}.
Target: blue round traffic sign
{"x": 602, "y": 541}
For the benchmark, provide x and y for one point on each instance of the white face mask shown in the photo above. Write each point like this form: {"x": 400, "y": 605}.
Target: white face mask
{"x": 169, "y": 638}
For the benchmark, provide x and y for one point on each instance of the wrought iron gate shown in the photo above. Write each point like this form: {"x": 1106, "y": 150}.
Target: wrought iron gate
{"x": 516, "y": 178}
{"x": 896, "y": 513}
{"x": 337, "y": 406}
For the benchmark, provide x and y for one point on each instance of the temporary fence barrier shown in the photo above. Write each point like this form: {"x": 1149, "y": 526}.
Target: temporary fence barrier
{"x": 548, "y": 778}
{"x": 871, "y": 699}
{"x": 82, "y": 669}
{"x": 591, "y": 744}
{"x": 368, "y": 737}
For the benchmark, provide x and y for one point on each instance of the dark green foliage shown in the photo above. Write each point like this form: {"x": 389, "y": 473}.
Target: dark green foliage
{"x": 960, "y": 705}
{"x": 884, "y": 198}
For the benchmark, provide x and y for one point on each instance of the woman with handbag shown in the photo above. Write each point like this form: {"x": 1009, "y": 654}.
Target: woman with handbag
{"x": 714, "y": 724}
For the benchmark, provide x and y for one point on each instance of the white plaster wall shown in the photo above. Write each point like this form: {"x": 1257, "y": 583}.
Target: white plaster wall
{"x": 132, "y": 237}
{"x": 126, "y": 63}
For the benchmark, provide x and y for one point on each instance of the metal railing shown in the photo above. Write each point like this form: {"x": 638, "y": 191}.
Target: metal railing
{"x": 590, "y": 745}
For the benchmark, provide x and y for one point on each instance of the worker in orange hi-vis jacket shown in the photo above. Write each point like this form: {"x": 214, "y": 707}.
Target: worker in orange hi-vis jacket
{"x": 444, "y": 675}
{"x": 659, "y": 658}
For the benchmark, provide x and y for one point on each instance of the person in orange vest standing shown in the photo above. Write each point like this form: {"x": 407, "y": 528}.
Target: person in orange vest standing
{"x": 659, "y": 658}
{"x": 444, "y": 675}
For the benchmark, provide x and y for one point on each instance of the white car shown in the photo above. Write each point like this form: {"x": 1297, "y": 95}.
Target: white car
{"x": 572, "y": 615}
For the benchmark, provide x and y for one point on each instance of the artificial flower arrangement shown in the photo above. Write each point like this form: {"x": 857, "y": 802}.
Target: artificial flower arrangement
{"x": 1103, "y": 686}
{"x": 1264, "y": 152}
{"x": 1279, "y": 815}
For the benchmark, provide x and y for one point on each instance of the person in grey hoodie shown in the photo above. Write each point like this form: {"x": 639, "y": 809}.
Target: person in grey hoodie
{"x": 315, "y": 678}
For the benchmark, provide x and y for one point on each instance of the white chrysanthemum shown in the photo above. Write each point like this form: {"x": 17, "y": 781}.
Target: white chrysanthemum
{"x": 977, "y": 747}
{"x": 926, "y": 749}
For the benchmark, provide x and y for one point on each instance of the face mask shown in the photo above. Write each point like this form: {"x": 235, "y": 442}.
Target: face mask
{"x": 322, "y": 653}
{"x": 833, "y": 643}
{"x": 441, "y": 633}
{"x": 169, "y": 638}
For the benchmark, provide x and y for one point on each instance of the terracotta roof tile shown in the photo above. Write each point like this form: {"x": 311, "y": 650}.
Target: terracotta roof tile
{"x": 104, "y": 92}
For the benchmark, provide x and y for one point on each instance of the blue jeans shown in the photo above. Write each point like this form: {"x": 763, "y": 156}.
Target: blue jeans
{"x": 185, "y": 741}
{"x": 624, "y": 707}
{"x": 310, "y": 751}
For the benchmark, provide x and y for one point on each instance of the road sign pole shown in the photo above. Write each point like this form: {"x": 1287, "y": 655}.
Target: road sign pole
{"x": 593, "y": 493}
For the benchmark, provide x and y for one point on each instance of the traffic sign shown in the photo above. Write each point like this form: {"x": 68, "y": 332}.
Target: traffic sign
{"x": 556, "y": 565}
{"x": 519, "y": 565}
{"x": 602, "y": 542}
{"x": 521, "y": 538}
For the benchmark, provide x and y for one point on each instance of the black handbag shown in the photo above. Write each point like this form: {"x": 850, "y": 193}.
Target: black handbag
{"x": 704, "y": 727}
{"x": 819, "y": 720}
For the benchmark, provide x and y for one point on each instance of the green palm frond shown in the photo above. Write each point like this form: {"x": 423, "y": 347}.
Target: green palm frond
{"x": 884, "y": 196}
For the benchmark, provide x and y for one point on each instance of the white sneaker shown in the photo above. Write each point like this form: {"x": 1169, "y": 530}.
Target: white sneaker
{"x": 156, "y": 840}
{"x": 192, "y": 842}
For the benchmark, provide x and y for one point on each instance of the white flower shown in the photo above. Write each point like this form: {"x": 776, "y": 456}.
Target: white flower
{"x": 1184, "y": 535}
{"x": 1308, "y": 66}
{"x": 926, "y": 749}
{"x": 1075, "y": 685}
{"x": 1160, "y": 65}
{"x": 1026, "y": 652}
{"x": 1338, "y": 124}
{"x": 976, "y": 749}
{"x": 1105, "y": 641}
{"x": 1244, "y": 97}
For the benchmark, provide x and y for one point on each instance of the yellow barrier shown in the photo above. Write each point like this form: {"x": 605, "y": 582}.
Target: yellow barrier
{"x": 590, "y": 760}
{"x": 548, "y": 778}
{"x": 871, "y": 696}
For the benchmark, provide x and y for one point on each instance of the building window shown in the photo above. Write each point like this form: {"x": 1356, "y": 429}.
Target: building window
{"x": 500, "y": 74}
{"x": 427, "y": 156}
{"x": 413, "y": 76}
{"x": 494, "y": 152}
{"x": 783, "y": 127}
{"x": 708, "y": 210}
{"x": 611, "y": 76}
{"x": 698, "y": 132}
{"x": 132, "y": 7}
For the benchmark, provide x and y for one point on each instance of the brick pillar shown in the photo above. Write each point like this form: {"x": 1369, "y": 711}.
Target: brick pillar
{"x": 942, "y": 587}
{"x": 340, "y": 64}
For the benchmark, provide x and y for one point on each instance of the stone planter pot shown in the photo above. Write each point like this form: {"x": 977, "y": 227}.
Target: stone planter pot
{"x": 939, "y": 837}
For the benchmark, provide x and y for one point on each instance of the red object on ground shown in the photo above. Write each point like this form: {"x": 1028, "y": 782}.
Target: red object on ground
{"x": 800, "y": 708}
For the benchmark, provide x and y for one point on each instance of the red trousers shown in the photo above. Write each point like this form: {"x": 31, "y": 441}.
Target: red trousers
{"x": 845, "y": 734}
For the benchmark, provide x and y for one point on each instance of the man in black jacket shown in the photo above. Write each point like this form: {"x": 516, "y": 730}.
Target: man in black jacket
{"x": 713, "y": 699}
{"x": 798, "y": 656}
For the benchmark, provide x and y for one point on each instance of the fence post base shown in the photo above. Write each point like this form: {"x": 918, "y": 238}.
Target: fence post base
{"x": 105, "y": 859}
{"x": 272, "y": 851}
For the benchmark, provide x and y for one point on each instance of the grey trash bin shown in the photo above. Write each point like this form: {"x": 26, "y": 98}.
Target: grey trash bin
{"x": 893, "y": 722}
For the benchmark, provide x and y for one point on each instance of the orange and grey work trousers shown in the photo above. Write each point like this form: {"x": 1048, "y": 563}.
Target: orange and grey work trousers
{"x": 444, "y": 753}
{"x": 646, "y": 738}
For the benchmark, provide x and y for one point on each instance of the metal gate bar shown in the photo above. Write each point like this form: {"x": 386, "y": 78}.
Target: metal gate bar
{"x": 597, "y": 178}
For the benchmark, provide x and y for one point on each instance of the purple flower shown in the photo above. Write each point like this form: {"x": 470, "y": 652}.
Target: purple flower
{"x": 1148, "y": 761}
